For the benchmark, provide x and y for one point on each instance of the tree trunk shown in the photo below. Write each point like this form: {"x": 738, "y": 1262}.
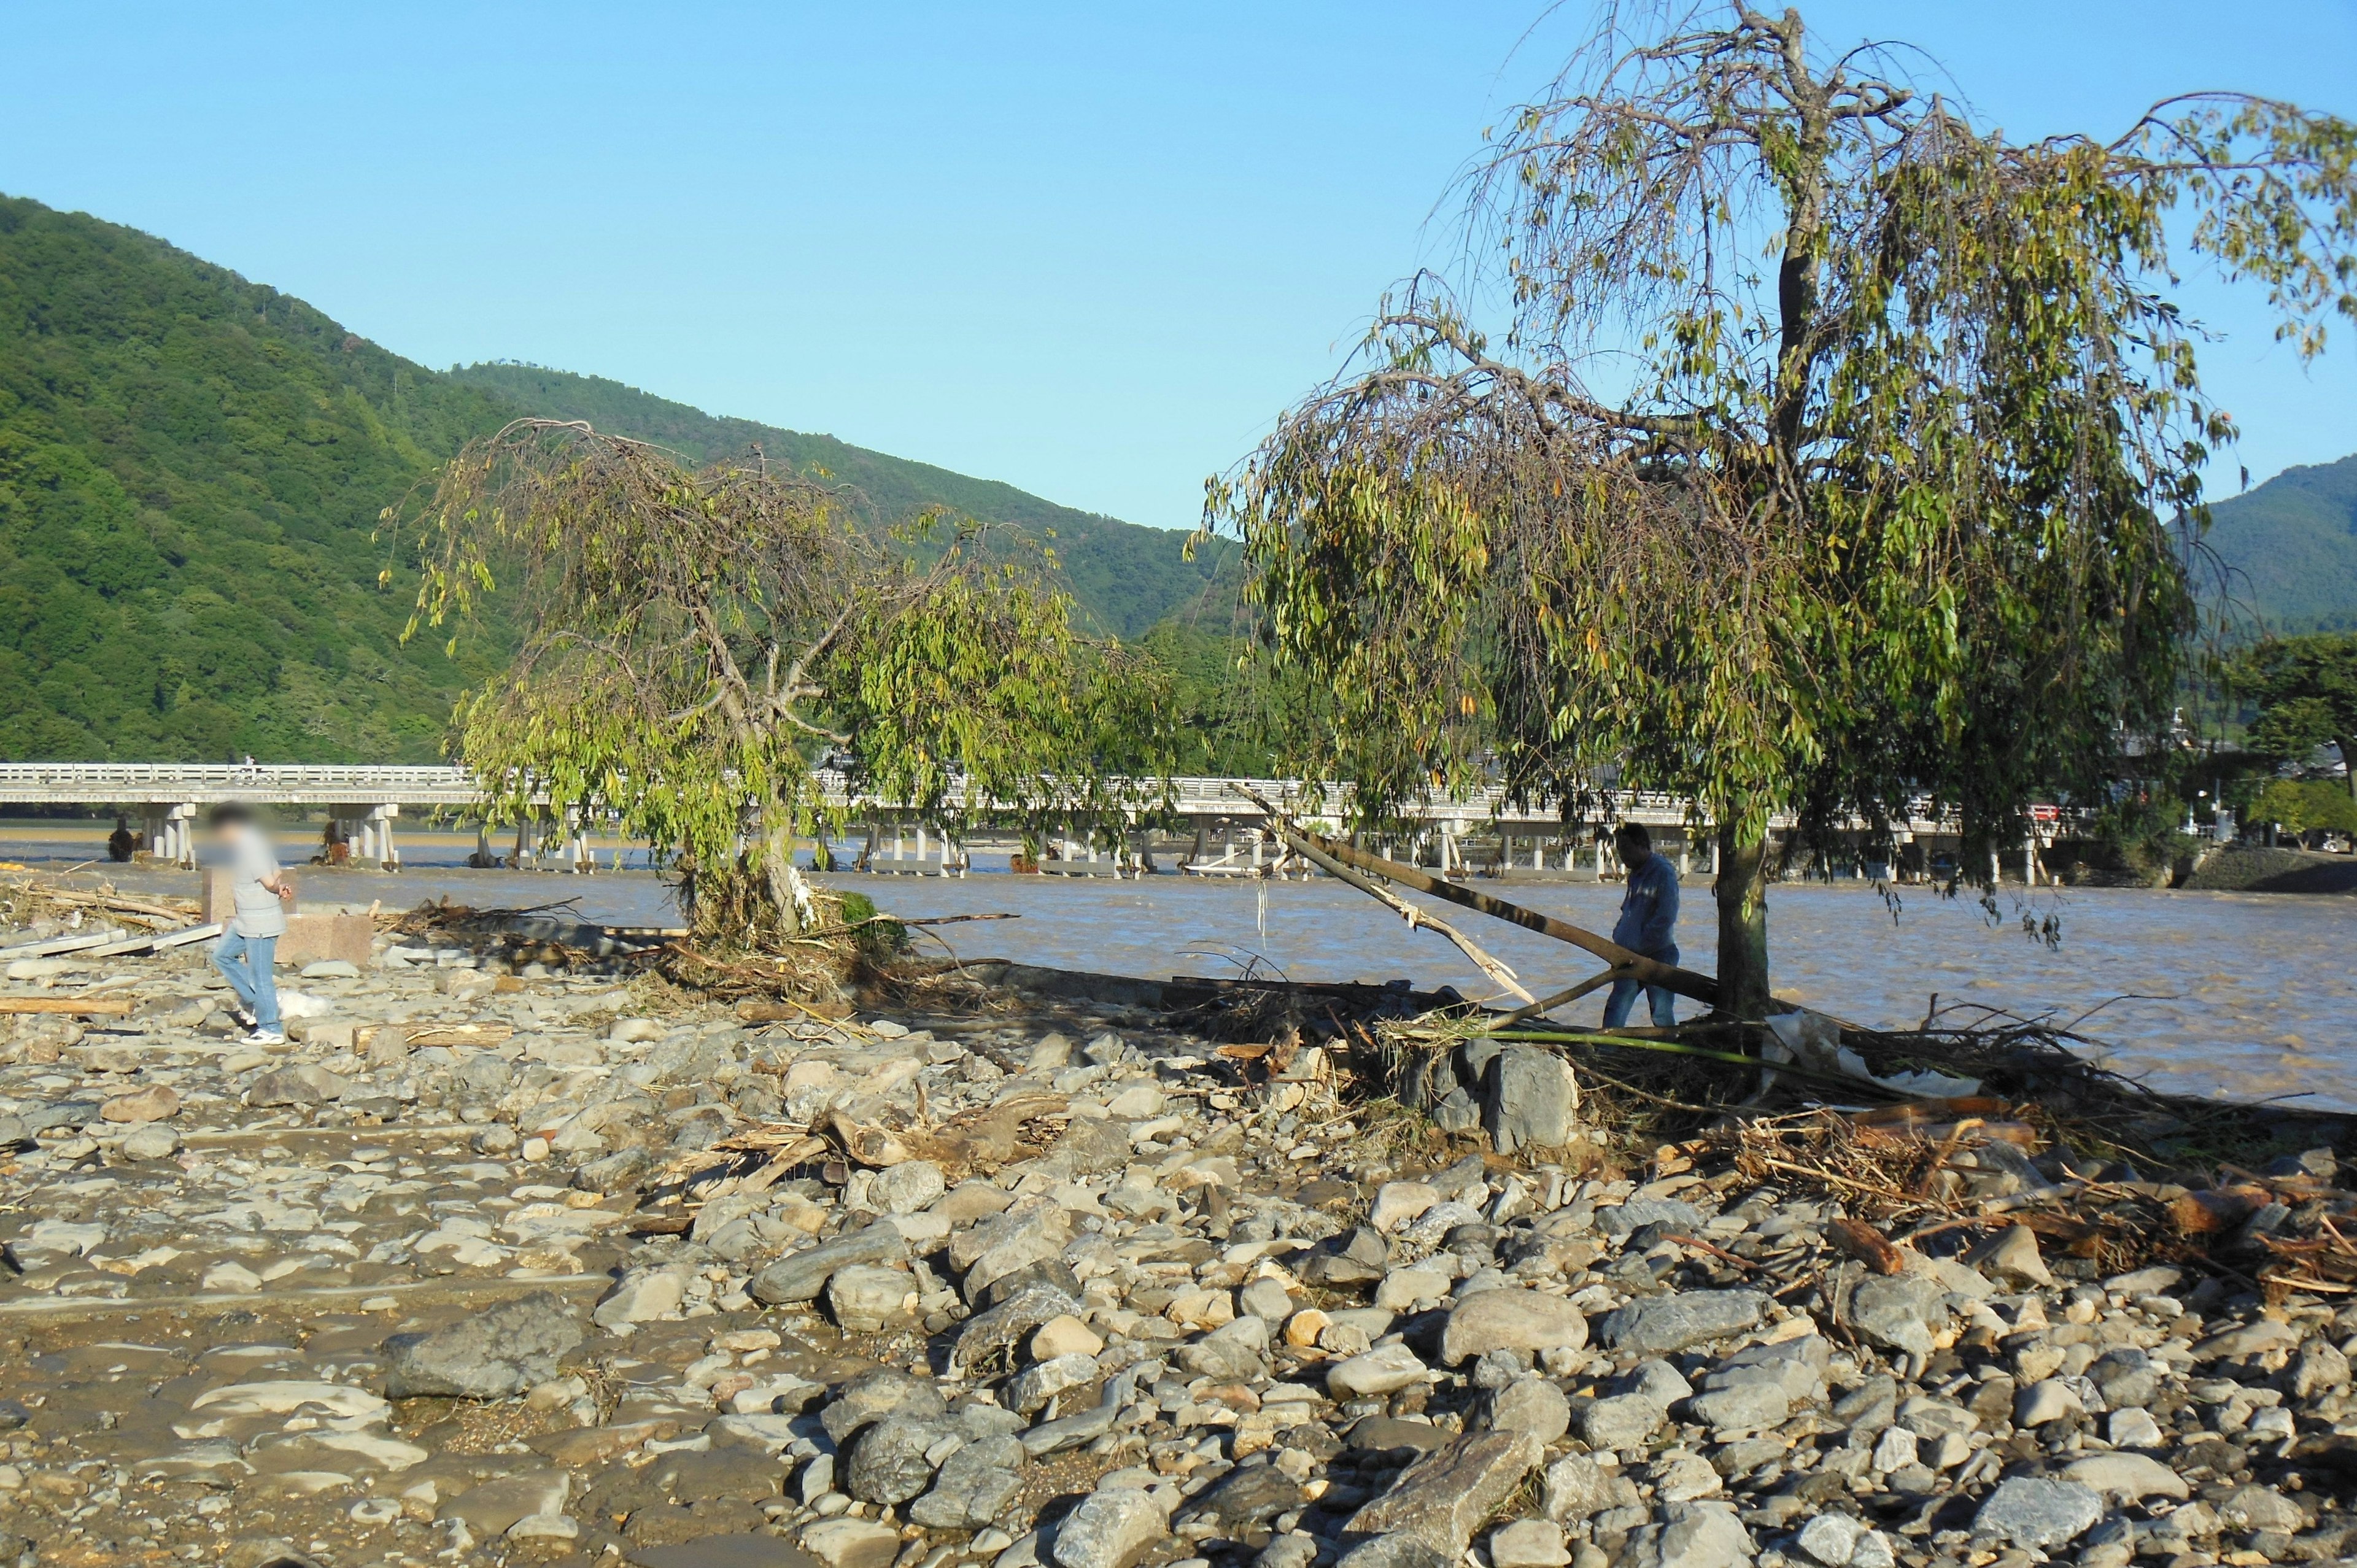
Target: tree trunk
{"x": 1742, "y": 895}
{"x": 777, "y": 871}
{"x": 2348, "y": 744}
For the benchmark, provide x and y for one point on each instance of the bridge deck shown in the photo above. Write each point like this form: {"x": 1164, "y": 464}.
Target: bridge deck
{"x": 455, "y": 789}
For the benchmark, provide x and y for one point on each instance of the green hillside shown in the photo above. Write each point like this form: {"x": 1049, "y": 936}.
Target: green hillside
{"x": 1128, "y": 576}
{"x": 2292, "y": 543}
{"x": 192, "y": 467}
{"x": 189, "y": 467}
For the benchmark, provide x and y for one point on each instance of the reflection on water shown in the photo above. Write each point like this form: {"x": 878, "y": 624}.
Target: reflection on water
{"x": 2251, "y": 994}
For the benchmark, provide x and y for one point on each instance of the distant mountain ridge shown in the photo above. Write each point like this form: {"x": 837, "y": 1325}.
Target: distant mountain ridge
{"x": 1126, "y": 576}
{"x": 2291, "y": 544}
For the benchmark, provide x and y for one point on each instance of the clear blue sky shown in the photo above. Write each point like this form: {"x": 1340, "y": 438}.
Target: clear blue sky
{"x": 1088, "y": 248}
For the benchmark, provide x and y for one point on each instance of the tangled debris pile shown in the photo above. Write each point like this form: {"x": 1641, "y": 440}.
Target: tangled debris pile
{"x": 513, "y": 1263}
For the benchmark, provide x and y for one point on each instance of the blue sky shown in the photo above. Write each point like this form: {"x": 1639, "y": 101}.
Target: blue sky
{"x": 1088, "y": 248}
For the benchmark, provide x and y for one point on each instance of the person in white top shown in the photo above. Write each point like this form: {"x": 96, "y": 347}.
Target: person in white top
{"x": 259, "y": 893}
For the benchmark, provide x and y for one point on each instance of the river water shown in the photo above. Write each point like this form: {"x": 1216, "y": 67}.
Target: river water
{"x": 2248, "y": 995}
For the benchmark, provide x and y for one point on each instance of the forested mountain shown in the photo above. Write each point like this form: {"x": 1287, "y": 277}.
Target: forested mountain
{"x": 2292, "y": 543}
{"x": 1128, "y": 576}
{"x": 190, "y": 466}
{"x": 191, "y": 470}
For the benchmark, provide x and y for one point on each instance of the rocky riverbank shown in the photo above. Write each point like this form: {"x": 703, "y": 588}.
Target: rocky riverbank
{"x": 535, "y": 1267}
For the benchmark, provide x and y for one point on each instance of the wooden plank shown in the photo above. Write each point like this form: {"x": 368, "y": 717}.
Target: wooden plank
{"x": 55, "y": 946}
{"x": 94, "y": 1006}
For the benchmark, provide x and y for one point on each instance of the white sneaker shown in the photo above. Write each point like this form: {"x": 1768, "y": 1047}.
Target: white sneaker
{"x": 263, "y": 1037}
{"x": 244, "y": 1019}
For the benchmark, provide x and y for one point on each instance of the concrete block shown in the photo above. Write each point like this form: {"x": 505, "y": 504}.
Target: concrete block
{"x": 310, "y": 937}
{"x": 216, "y": 899}
{"x": 329, "y": 1033}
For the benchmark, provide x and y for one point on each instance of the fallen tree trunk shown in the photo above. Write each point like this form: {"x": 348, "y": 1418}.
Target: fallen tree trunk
{"x": 1701, "y": 988}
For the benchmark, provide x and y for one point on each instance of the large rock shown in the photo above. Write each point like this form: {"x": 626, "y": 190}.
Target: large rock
{"x": 1384, "y": 1370}
{"x": 1899, "y": 1312}
{"x": 1697, "y": 1534}
{"x": 1529, "y": 1100}
{"x": 888, "y": 1463}
{"x": 867, "y": 1297}
{"x": 1037, "y": 1384}
{"x": 2031, "y": 1510}
{"x": 493, "y": 1353}
{"x": 1662, "y": 1325}
{"x": 874, "y": 1396}
{"x": 157, "y": 1102}
{"x": 1531, "y": 1405}
{"x": 1240, "y": 1506}
{"x": 907, "y": 1187}
{"x": 1442, "y": 1498}
{"x": 974, "y": 1485}
{"x": 1620, "y": 1421}
{"x": 851, "y": 1543}
{"x": 1511, "y": 1320}
{"x": 2129, "y": 1478}
{"x": 1000, "y": 1328}
{"x": 1111, "y": 1529}
{"x": 1742, "y": 1407}
{"x": 641, "y": 1297}
{"x": 801, "y": 1277}
{"x": 298, "y": 1083}
{"x": 1578, "y": 1487}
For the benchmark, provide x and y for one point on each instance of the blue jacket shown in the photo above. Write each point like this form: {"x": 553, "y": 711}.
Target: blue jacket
{"x": 1649, "y": 911}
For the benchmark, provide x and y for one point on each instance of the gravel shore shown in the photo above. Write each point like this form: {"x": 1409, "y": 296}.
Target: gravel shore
{"x": 494, "y": 1267}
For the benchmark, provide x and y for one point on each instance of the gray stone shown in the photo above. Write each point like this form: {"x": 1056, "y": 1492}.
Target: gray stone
{"x": 2256, "y": 1507}
{"x": 1266, "y": 1299}
{"x": 1296, "y": 1549}
{"x": 1511, "y": 1320}
{"x": 1637, "y": 1213}
{"x": 998, "y": 1330}
{"x": 153, "y": 1142}
{"x": 864, "y": 1298}
{"x": 1657, "y": 1381}
{"x": 851, "y": 1543}
{"x": 491, "y": 1353}
{"x": 1695, "y": 1534}
{"x": 2126, "y": 1476}
{"x": 1576, "y": 1486}
{"x": 1899, "y": 1312}
{"x": 1458, "y": 1111}
{"x": 1382, "y": 1371}
{"x": 1620, "y": 1421}
{"x": 617, "y": 1172}
{"x": 887, "y": 1461}
{"x": 1795, "y": 1366}
{"x": 1243, "y": 1504}
{"x": 1529, "y": 1100}
{"x": 1528, "y": 1543}
{"x": 1228, "y": 1358}
{"x": 1396, "y": 1552}
{"x": 1743, "y": 1407}
{"x": 641, "y": 1297}
{"x": 1832, "y": 1538}
{"x": 1531, "y": 1405}
{"x": 2031, "y": 1510}
{"x": 1442, "y": 1498}
{"x": 1035, "y": 1385}
{"x": 974, "y": 1486}
{"x": 298, "y": 1083}
{"x": 873, "y": 1396}
{"x": 907, "y": 1187}
{"x": 2126, "y": 1377}
{"x": 1356, "y": 1259}
{"x": 1661, "y": 1324}
{"x": 1111, "y": 1529}
{"x": 802, "y": 1275}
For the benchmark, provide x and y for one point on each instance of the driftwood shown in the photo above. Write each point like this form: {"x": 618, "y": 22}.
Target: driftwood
{"x": 1702, "y": 988}
{"x": 92, "y": 1006}
{"x": 1319, "y": 854}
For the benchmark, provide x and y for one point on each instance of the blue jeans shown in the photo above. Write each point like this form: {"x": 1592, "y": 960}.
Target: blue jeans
{"x": 1659, "y": 998}
{"x": 246, "y": 962}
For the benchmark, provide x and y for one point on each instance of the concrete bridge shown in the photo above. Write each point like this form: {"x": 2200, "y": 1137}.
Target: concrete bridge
{"x": 368, "y": 800}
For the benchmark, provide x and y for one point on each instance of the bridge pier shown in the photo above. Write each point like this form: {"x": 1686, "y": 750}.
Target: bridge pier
{"x": 171, "y": 835}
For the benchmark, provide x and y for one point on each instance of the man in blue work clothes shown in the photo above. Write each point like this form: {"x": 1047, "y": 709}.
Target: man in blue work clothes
{"x": 1648, "y": 923}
